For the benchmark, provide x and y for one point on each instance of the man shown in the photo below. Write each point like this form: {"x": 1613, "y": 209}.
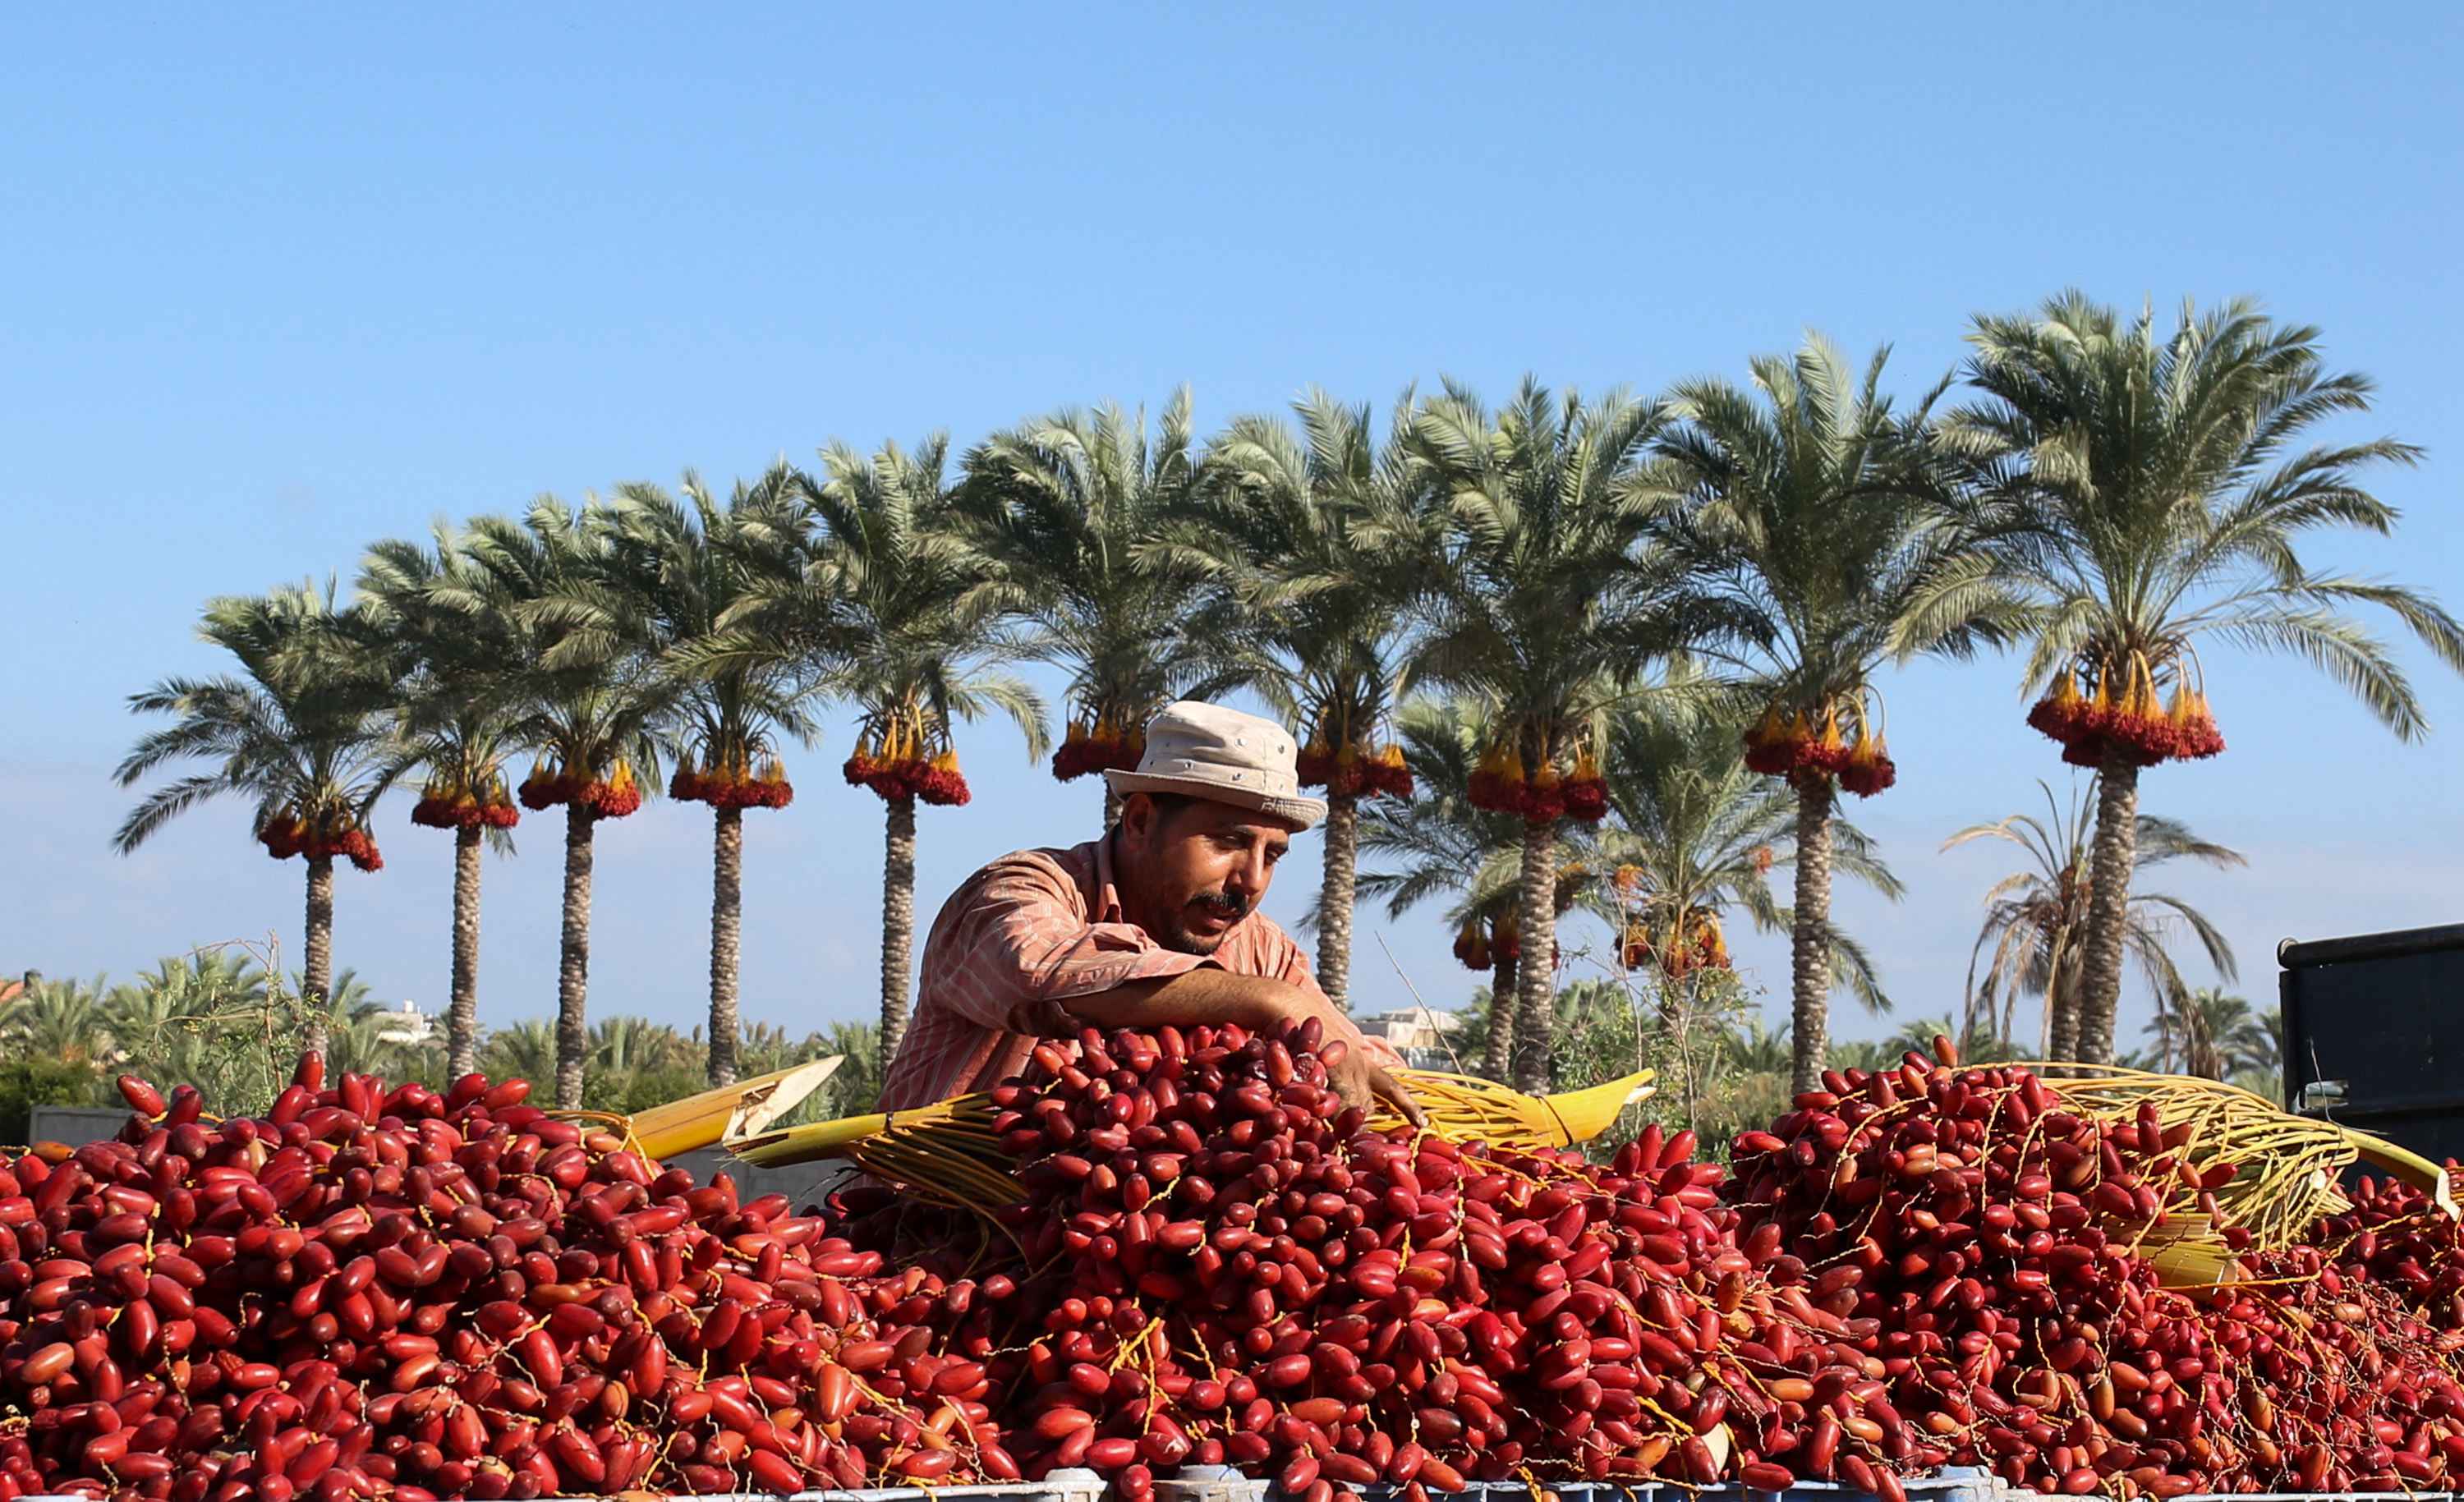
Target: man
{"x": 1154, "y": 923}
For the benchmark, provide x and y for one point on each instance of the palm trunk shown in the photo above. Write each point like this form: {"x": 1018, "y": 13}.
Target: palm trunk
{"x": 1535, "y": 1053}
{"x": 317, "y": 959}
{"x": 573, "y": 959}
{"x": 2061, "y": 1003}
{"x": 2108, "y": 905}
{"x": 462, "y": 1011}
{"x": 1504, "y": 1003}
{"x": 726, "y": 928}
{"x": 1335, "y": 896}
{"x": 897, "y": 923}
{"x": 1810, "y": 952}
{"x": 1111, "y": 804}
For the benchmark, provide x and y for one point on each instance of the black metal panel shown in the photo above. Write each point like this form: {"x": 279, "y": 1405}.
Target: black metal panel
{"x": 2385, "y": 1015}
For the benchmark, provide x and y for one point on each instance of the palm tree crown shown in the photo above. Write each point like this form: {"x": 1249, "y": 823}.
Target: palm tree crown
{"x": 1072, "y": 507}
{"x": 304, "y": 733}
{"x": 2159, "y": 488}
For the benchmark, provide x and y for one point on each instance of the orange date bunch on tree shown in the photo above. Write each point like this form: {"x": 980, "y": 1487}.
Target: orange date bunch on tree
{"x": 1657, "y": 932}
{"x": 612, "y": 797}
{"x": 1355, "y": 769}
{"x": 456, "y": 805}
{"x": 1840, "y": 739}
{"x": 732, "y": 779}
{"x": 903, "y": 759}
{"x": 2112, "y": 703}
{"x": 1538, "y": 788}
{"x": 286, "y": 833}
{"x": 1109, "y": 739}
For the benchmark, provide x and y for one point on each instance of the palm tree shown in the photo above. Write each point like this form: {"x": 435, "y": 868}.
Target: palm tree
{"x": 1440, "y": 842}
{"x": 2164, "y": 496}
{"x": 695, "y": 562}
{"x": 1313, "y": 549}
{"x": 528, "y": 1050}
{"x": 2253, "y": 1049}
{"x": 179, "y": 995}
{"x": 2215, "y": 1035}
{"x": 61, "y": 1019}
{"x": 891, "y": 602}
{"x": 1696, "y": 835}
{"x": 305, "y": 734}
{"x": 457, "y": 713}
{"x": 1552, "y": 605}
{"x": 1751, "y": 1047}
{"x": 1070, "y": 507}
{"x": 2034, "y": 939}
{"x": 1816, "y": 533}
{"x": 593, "y": 697}
{"x": 623, "y": 1045}
{"x": 924, "y": 647}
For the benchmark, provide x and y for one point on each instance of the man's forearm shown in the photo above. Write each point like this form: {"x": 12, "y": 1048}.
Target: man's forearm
{"x": 1206, "y": 996}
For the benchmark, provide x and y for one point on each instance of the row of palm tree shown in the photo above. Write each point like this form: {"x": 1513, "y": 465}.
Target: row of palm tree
{"x": 215, "y": 1018}
{"x": 1538, "y": 592}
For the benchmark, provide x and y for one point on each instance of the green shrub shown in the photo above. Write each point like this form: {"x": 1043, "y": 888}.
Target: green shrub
{"x": 28, "y": 1080}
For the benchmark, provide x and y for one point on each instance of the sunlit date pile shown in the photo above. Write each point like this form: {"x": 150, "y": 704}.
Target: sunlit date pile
{"x": 380, "y": 1291}
{"x": 385, "y": 1292}
{"x": 2393, "y": 1236}
{"x": 1982, "y": 1251}
{"x": 1239, "y": 1272}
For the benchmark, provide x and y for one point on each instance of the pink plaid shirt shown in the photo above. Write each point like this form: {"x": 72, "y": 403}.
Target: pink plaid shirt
{"x": 1039, "y": 926}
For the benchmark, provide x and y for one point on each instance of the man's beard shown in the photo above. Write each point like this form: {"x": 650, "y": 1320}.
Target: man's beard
{"x": 1179, "y": 937}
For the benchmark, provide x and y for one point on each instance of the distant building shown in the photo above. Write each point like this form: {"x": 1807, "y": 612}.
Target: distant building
{"x": 1419, "y": 1034}
{"x": 409, "y": 1025}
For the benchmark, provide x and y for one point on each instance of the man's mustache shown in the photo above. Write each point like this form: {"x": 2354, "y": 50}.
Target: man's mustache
{"x": 1222, "y": 904}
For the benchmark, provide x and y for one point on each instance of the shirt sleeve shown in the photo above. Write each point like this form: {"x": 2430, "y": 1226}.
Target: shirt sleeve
{"x": 1022, "y": 940}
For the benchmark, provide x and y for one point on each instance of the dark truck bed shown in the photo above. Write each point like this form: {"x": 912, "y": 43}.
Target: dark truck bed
{"x": 2381, "y": 1015}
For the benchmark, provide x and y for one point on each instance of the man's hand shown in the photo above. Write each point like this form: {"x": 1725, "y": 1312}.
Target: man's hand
{"x": 1361, "y": 1081}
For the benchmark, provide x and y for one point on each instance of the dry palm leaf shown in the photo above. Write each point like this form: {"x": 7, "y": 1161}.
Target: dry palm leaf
{"x": 736, "y": 1110}
{"x": 2286, "y": 1166}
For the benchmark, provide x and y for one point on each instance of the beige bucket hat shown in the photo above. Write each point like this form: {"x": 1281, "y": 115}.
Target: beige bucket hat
{"x": 1205, "y": 751}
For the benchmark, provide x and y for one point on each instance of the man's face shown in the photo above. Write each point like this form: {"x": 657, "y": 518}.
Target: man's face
{"x": 1188, "y": 874}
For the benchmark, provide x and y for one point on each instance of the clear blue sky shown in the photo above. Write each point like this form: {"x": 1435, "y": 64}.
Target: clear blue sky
{"x": 279, "y": 282}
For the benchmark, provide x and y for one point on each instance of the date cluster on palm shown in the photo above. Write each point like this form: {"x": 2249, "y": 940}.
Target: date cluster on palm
{"x": 1113, "y": 740}
{"x": 2124, "y": 714}
{"x": 455, "y": 805}
{"x": 1352, "y": 770}
{"x": 1813, "y": 748}
{"x": 286, "y": 833}
{"x": 612, "y": 797}
{"x": 733, "y": 782}
{"x": 1502, "y": 784}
